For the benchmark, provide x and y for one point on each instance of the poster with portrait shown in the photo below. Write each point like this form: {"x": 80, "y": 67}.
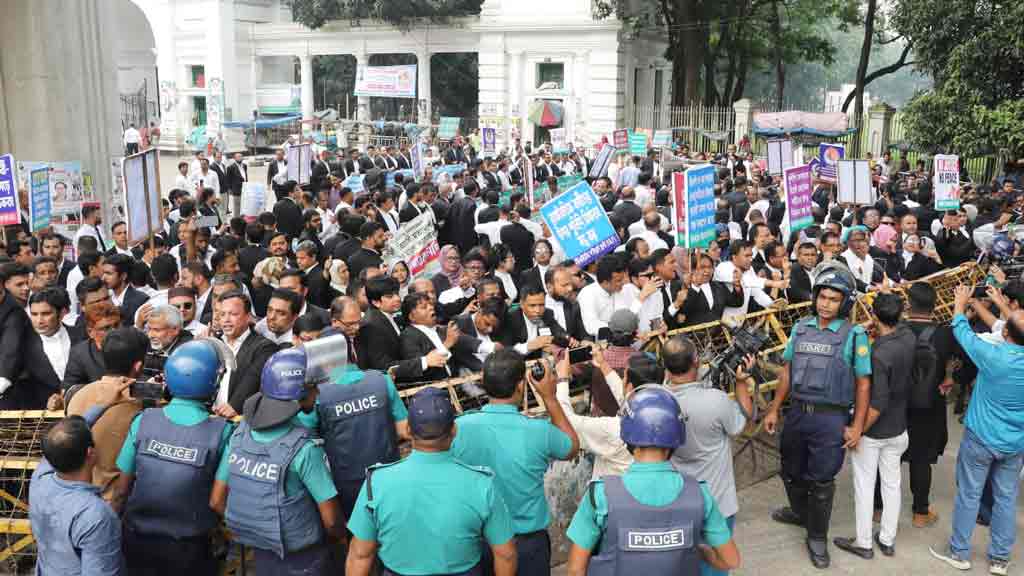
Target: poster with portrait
{"x": 141, "y": 174}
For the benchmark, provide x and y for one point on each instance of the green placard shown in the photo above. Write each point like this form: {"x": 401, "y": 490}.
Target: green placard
{"x": 637, "y": 144}
{"x": 448, "y": 127}
{"x": 540, "y": 193}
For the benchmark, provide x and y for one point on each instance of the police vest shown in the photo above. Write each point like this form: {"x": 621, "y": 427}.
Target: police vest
{"x": 259, "y": 511}
{"x": 174, "y": 470}
{"x": 357, "y": 427}
{"x": 818, "y": 372}
{"x": 642, "y": 539}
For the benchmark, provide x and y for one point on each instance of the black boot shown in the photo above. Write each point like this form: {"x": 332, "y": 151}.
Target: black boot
{"x": 796, "y": 513}
{"x": 819, "y": 512}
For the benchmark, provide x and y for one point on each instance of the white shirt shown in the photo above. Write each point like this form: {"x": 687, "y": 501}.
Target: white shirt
{"x": 454, "y": 294}
{"x": 492, "y": 230}
{"x": 543, "y": 272}
{"x": 132, "y": 136}
{"x": 282, "y": 172}
{"x": 557, "y": 308}
{"x": 201, "y": 301}
{"x": 75, "y": 276}
{"x": 599, "y": 435}
{"x": 654, "y": 242}
{"x": 643, "y": 195}
{"x": 862, "y": 269}
{"x": 538, "y": 233}
{"x": 181, "y": 182}
{"x": 597, "y": 306}
{"x": 90, "y": 230}
{"x": 115, "y": 298}
{"x": 225, "y": 381}
{"x": 435, "y": 339}
{"x": 197, "y": 328}
{"x": 650, "y": 309}
{"x": 57, "y": 348}
{"x": 508, "y": 284}
{"x": 639, "y": 227}
{"x": 263, "y": 330}
{"x": 532, "y": 331}
{"x": 753, "y": 286}
{"x": 194, "y": 167}
{"x": 486, "y": 344}
{"x": 210, "y": 180}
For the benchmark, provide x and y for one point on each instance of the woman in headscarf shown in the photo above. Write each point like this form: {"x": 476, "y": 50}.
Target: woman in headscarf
{"x": 451, "y": 269}
{"x": 884, "y": 251}
{"x": 400, "y": 272}
{"x": 338, "y": 276}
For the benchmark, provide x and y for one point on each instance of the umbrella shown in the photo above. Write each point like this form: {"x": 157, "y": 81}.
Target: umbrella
{"x": 546, "y": 113}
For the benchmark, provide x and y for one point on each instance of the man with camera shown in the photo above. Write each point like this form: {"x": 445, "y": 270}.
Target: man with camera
{"x": 827, "y": 365}
{"x": 173, "y": 451}
{"x": 712, "y": 420}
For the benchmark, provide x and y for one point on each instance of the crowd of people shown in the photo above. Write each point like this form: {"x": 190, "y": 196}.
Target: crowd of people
{"x": 223, "y": 310}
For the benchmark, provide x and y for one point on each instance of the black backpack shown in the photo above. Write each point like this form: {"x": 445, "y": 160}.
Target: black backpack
{"x": 922, "y": 375}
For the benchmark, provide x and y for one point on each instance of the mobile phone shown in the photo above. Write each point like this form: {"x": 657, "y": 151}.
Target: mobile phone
{"x": 581, "y": 354}
{"x": 544, "y": 331}
{"x": 207, "y": 222}
{"x": 146, "y": 390}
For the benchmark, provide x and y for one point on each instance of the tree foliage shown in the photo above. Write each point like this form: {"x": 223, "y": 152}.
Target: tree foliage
{"x": 974, "y": 51}
{"x": 716, "y": 45}
{"x": 401, "y": 13}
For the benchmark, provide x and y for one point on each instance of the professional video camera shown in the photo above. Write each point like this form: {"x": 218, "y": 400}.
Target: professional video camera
{"x": 722, "y": 368}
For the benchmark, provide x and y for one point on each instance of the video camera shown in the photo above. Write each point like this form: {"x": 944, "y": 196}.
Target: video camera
{"x": 722, "y": 369}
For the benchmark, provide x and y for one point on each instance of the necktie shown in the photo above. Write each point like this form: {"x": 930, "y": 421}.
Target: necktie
{"x": 353, "y": 356}
{"x": 99, "y": 237}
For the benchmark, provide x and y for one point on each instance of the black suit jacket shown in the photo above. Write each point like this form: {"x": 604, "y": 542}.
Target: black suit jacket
{"x": 574, "y": 320}
{"x": 319, "y": 292}
{"x": 289, "y": 217}
{"x": 954, "y": 248}
{"x": 460, "y": 225}
{"x": 671, "y": 322}
{"x": 65, "y": 269}
{"x": 133, "y": 300}
{"x": 379, "y": 348}
{"x": 489, "y": 214}
{"x": 519, "y": 241}
{"x": 463, "y": 356}
{"x": 222, "y": 176}
{"x": 249, "y": 257}
{"x": 628, "y": 212}
{"x": 531, "y": 276}
{"x": 318, "y": 175}
{"x": 15, "y": 327}
{"x": 799, "y": 285}
{"x": 513, "y": 331}
{"x": 322, "y": 313}
{"x": 238, "y": 174}
{"x": 39, "y": 379}
{"x": 918, "y": 267}
{"x": 696, "y": 310}
{"x": 403, "y": 162}
{"x": 279, "y": 191}
{"x": 363, "y": 258}
{"x": 408, "y": 212}
{"x": 85, "y": 365}
{"x": 251, "y": 357}
{"x": 415, "y": 345}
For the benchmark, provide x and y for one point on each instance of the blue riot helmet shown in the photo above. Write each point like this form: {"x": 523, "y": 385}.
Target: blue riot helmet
{"x": 283, "y": 385}
{"x": 194, "y": 369}
{"x": 835, "y": 275}
{"x": 651, "y": 417}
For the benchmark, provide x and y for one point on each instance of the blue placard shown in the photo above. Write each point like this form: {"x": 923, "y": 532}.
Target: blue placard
{"x": 8, "y": 191}
{"x": 450, "y": 169}
{"x": 354, "y": 183}
{"x": 407, "y": 176}
{"x": 700, "y": 206}
{"x": 580, "y": 224}
{"x": 829, "y": 156}
{"x": 40, "y": 206}
{"x": 637, "y": 144}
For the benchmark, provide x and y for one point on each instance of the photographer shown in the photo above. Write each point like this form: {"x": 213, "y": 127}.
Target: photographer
{"x": 712, "y": 419}
{"x": 165, "y": 332}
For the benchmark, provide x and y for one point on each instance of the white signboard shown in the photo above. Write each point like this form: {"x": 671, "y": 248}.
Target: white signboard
{"x": 855, "y": 182}
{"x": 780, "y": 156}
{"x": 141, "y": 176}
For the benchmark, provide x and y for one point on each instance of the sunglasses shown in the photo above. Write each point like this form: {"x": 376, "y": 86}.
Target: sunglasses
{"x": 184, "y": 305}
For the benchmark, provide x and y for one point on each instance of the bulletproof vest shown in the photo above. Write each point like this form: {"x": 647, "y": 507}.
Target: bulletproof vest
{"x": 356, "y": 425}
{"x": 259, "y": 511}
{"x": 818, "y": 373}
{"x": 642, "y": 539}
{"x": 174, "y": 470}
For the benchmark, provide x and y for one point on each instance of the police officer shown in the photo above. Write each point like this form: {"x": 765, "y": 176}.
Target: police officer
{"x": 827, "y": 365}
{"x": 361, "y": 419}
{"x": 167, "y": 465}
{"x": 273, "y": 481}
{"x": 519, "y": 449}
{"x": 653, "y": 519}
{"x": 430, "y": 513}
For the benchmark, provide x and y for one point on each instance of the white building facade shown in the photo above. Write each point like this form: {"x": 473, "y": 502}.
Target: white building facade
{"x": 219, "y": 60}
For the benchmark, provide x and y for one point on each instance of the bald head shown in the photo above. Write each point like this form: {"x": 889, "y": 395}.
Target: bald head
{"x": 66, "y": 446}
{"x": 680, "y": 356}
{"x": 652, "y": 220}
{"x": 423, "y": 286}
{"x": 345, "y": 315}
{"x": 627, "y": 193}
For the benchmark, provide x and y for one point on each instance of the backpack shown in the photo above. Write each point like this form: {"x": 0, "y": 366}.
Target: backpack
{"x": 922, "y": 375}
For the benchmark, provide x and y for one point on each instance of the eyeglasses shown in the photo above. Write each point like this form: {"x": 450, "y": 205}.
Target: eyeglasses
{"x": 184, "y": 305}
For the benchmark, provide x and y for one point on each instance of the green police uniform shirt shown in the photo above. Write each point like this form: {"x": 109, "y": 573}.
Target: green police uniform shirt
{"x": 348, "y": 376}
{"x": 180, "y": 411}
{"x": 308, "y": 470}
{"x": 856, "y": 350}
{"x": 652, "y": 484}
{"x": 518, "y": 449}
{"x": 429, "y": 514}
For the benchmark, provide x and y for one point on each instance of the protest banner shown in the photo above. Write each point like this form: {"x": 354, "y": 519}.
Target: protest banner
{"x": 39, "y": 199}
{"x": 254, "y": 199}
{"x": 604, "y": 157}
{"x": 300, "y": 158}
{"x": 447, "y": 172}
{"x": 354, "y": 183}
{"x": 855, "y": 182}
{"x": 798, "y": 198}
{"x": 620, "y": 138}
{"x": 386, "y": 81}
{"x": 558, "y": 142}
{"x": 489, "y": 138}
{"x": 829, "y": 156}
{"x": 407, "y": 177}
{"x": 542, "y": 192}
{"x": 662, "y": 139}
{"x": 530, "y": 184}
{"x": 9, "y": 213}
{"x": 447, "y": 128}
{"x": 142, "y": 195}
{"x": 580, "y": 224}
{"x": 416, "y": 157}
{"x": 416, "y": 245}
{"x": 780, "y": 156}
{"x": 695, "y": 206}
{"x": 946, "y": 181}
{"x": 638, "y": 144}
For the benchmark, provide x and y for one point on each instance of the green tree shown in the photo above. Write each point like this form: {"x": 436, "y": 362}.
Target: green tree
{"x": 973, "y": 52}
{"x": 404, "y": 14}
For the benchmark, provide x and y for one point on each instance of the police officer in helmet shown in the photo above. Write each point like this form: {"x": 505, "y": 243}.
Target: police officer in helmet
{"x": 826, "y": 370}
{"x": 167, "y": 464}
{"x": 430, "y": 513}
{"x": 653, "y": 519}
{"x": 273, "y": 484}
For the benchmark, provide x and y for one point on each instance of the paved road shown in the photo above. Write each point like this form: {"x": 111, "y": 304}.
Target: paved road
{"x": 768, "y": 548}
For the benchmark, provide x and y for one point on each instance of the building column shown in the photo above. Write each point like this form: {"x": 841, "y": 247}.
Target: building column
{"x": 745, "y": 109}
{"x": 362, "y": 102}
{"x": 306, "y": 77}
{"x": 580, "y": 116}
{"x": 423, "y": 96}
{"x": 879, "y": 125}
{"x": 513, "y": 110}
